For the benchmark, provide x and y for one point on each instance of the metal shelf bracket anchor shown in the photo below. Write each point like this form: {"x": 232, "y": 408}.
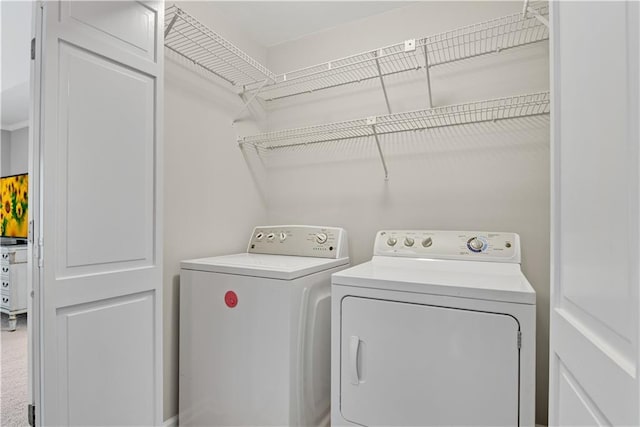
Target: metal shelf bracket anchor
{"x": 371, "y": 121}
{"x": 247, "y": 103}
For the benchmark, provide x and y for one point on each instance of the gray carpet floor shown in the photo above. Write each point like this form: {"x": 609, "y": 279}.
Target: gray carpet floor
{"x": 13, "y": 373}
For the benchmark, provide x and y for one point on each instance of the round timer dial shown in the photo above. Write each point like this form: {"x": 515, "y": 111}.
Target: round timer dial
{"x": 321, "y": 238}
{"x": 475, "y": 244}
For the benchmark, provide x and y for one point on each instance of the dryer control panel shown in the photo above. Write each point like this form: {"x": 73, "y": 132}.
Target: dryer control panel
{"x": 299, "y": 240}
{"x": 456, "y": 245}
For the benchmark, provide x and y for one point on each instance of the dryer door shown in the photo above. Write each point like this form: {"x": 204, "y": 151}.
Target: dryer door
{"x": 411, "y": 364}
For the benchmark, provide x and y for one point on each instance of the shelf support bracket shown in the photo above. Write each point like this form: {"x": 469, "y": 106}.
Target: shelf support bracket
{"x": 384, "y": 88}
{"x": 247, "y": 103}
{"x": 426, "y": 68}
{"x": 539, "y": 17}
{"x": 525, "y": 6}
{"x": 528, "y": 9}
{"x": 170, "y": 26}
{"x": 371, "y": 121}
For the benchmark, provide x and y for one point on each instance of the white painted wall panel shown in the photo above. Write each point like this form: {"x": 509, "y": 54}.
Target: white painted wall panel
{"x": 15, "y": 152}
{"x": 18, "y": 160}
{"x": 212, "y": 199}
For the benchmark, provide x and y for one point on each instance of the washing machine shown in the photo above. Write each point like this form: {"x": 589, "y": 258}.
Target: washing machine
{"x": 438, "y": 329}
{"x": 255, "y": 330}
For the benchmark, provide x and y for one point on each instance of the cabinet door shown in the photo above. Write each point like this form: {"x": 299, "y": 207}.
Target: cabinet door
{"x": 411, "y": 364}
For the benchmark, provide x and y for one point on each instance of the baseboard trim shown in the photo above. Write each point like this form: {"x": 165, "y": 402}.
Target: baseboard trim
{"x": 171, "y": 422}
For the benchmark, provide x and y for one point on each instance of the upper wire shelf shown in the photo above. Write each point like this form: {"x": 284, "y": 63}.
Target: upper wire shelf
{"x": 451, "y": 115}
{"x": 455, "y": 45}
{"x": 191, "y": 39}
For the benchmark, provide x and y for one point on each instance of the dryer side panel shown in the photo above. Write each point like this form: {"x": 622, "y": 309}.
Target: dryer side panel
{"x": 411, "y": 364}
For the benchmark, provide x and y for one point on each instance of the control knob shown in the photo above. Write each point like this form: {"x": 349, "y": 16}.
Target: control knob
{"x": 321, "y": 238}
{"x": 271, "y": 236}
{"x": 427, "y": 242}
{"x": 283, "y": 236}
{"x": 259, "y": 236}
{"x": 475, "y": 244}
{"x": 391, "y": 241}
{"x": 408, "y": 241}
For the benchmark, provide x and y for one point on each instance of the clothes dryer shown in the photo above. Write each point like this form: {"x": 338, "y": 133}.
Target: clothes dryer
{"x": 438, "y": 329}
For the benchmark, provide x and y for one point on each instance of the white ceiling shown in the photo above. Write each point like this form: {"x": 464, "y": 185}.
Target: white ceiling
{"x": 273, "y": 22}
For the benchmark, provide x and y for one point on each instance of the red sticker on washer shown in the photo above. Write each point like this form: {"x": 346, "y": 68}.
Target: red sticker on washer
{"x": 231, "y": 299}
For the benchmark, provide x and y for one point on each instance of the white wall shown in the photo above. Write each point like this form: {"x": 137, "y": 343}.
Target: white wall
{"x": 15, "y": 40}
{"x": 491, "y": 176}
{"x": 5, "y": 151}
{"x": 15, "y": 152}
{"x": 211, "y": 200}
{"x": 19, "y": 151}
{"x": 478, "y": 177}
{"x": 15, "y": 17}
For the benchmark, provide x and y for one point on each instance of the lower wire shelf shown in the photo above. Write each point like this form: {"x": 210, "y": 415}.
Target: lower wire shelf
{"x": 374, "y": 126}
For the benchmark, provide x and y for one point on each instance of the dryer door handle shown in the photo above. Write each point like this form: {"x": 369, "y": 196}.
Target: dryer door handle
{"x": 354, "y": 349}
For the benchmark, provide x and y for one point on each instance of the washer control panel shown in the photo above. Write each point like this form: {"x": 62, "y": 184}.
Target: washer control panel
{"x": 457, "y": 245}
{"x": 299, "y": 240}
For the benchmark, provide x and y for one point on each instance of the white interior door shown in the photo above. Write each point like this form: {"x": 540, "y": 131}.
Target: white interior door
{"x": 99, "y": 68}
{"x": 595, "y": 257}
{"x": 406, "y": 364}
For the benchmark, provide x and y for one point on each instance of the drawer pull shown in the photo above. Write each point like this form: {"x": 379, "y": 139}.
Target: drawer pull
{"x": 5, "y": 300}
{"x": 5, "y": 284}
{"x": 5, "y": 269}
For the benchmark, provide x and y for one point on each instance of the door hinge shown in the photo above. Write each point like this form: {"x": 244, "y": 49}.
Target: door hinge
{"x": 33, "y": 48}
{"x": 31, "y": 414}
{"x": 31, "y": 231}
{"x": 519, "y": 339}
{"x": 40, "y": 253}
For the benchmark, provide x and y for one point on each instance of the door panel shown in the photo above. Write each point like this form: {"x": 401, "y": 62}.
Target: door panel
{"x": 575, "y": 407}
{"x": 595, "y": 280}
{"x": 109, "y": 153}
{"x": 98, "y": 151}
{"x": 605, "y": 219}
{"x": 115, "y": 358}
{"x": 130, "y": 26}
{"x": 411, "y": 364}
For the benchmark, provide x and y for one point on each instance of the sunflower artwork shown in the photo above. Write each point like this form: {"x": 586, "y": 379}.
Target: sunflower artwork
{"x": 15, "y": 203}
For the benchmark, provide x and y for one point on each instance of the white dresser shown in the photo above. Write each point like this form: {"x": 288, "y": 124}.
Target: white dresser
{"x": 13, "y": 275}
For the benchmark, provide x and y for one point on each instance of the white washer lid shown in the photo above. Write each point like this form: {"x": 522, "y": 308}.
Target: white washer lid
{"x": 283, "y": 267}
{"x": 466, "y": 279}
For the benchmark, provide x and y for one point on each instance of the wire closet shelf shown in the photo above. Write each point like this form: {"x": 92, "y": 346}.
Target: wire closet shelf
{"x": 455, "y": 45}
{"x": 192, "y": 40}
{"x": 473, "y": 112}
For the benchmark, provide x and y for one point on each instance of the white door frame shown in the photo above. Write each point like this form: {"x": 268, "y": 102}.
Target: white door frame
{"x": 35, "y": 199}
